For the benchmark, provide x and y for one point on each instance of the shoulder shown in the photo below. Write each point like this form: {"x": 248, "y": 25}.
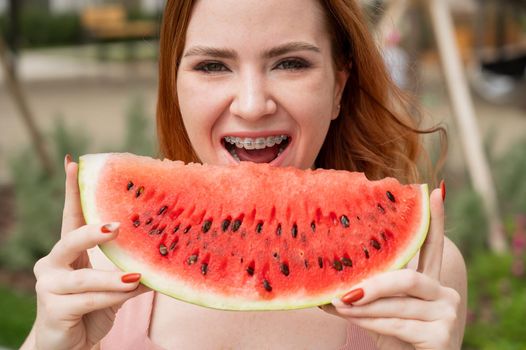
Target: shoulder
{"x": 453, "y": 273}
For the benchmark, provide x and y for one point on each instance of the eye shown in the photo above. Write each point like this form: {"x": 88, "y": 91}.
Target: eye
{"x": 293, "y": 64}
{"x": 211, "y": 67}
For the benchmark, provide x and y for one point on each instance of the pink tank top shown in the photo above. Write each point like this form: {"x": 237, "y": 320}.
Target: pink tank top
{"x": 135, "y": 315}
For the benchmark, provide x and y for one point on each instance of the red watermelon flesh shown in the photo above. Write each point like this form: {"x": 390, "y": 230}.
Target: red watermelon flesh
{"x": 251, "y": 236}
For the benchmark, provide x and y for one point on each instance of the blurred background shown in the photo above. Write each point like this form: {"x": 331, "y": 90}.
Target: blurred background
{"x": 80, "y": 76}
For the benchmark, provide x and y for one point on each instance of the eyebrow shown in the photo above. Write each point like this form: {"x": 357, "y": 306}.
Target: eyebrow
{"x": 231, "y": 54}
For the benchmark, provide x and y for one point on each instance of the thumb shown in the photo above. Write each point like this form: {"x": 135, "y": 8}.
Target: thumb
{"x": 141, "y": 289}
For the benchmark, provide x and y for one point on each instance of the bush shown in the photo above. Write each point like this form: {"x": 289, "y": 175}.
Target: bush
{"x": 38, "y": 201}
{"x": 496, "y": 303}
{"x": 38, "y": 28}
{"x": 16, "y": 318}
{"x": 511, "y": 186}
{"x": 39, "y": 197}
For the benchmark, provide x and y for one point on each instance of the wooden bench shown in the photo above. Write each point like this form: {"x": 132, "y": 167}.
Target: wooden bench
{"x": 108, "y": 22}
{"x": 104, "y": 23}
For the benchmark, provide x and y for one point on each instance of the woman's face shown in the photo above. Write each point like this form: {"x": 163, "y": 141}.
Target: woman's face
{"x": 257, "y": 81}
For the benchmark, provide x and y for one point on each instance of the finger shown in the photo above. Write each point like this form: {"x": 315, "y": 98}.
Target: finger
{"x": 396, "y": 307}
{"x": 72, "y": 217}
{"x": 330, "y": 309}
{"x": 410, "y": 331}
{"x": 90, "y": 280}
{"x": 81, "y": 304}
{"x": 75, "y": 243}
{"x": 399, "y": 283}
{"x": 430, "y": 258}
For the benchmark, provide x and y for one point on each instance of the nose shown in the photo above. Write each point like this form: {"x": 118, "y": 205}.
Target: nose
{"x": 252, "y": 99}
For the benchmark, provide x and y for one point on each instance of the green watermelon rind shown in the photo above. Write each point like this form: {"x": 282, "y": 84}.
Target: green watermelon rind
{"x": 89, "y": 169}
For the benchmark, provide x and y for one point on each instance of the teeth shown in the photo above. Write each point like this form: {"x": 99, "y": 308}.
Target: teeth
{"x": 234, "y": 154}
{"x": 258, "y": 143}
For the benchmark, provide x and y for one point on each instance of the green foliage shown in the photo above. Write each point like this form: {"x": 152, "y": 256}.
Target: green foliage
{"x": 497, "y": 287}
{"x": 16, "y": 318}
{"x": 497, "y": 303}
{"x": 510, "y": 173}
{"x": 39, "y": 197}
{"x": 38, "y": 201}
{"x": 138, "y": 139}
{"x": 39, "y": 28}
{"x": 466, "y": 222}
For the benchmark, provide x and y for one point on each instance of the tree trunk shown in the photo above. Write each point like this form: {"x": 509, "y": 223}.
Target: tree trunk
{"x": 20, "y": 100}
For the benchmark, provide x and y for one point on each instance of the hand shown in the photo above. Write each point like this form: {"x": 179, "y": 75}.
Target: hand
{"x": 76, "y": 304}
{"x": 409, "y": 309}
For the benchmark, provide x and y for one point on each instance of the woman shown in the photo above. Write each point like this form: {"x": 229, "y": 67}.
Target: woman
{"x": 308, "y": 72}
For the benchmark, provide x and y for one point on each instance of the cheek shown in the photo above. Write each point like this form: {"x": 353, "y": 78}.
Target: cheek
{"x": 200, "y": 105}
{"x": 310, "y": 102}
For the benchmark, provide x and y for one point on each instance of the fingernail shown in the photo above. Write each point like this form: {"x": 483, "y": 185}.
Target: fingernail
{"x": 353, "y": 296}
{"x": 67, "y": 160}
{"x": 131, "y": 277}
{"x": 111, "y": 227}
{"x": 443, "y": 189}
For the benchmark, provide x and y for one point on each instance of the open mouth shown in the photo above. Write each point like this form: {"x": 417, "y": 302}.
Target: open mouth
{"x": 257, "y": 150}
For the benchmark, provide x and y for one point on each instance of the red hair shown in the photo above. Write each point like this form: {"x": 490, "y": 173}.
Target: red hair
{"x": 374, "y": 132}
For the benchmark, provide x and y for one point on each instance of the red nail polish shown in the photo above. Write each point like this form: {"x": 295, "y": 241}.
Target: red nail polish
{"x": 67, "y": 160}
{"x": 131, "y": 277}
{"x": 109, "y": 228}
{"x": 353, "y": 296}
{"x": 443, "y": 189}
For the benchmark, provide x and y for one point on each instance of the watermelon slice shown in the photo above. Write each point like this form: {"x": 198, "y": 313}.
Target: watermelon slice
{"x": 251, "y": 236}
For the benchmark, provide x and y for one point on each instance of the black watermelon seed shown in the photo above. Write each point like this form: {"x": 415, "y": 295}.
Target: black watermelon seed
{"x": 346, "y": 261}
{"x": 204, "y": 268}
{"x": 275, "y": 255}
{"x": 129, "y": 186}
{"x": 382, "y": 234}
{"x": 139, "y": 191}
{"x": 236, "y": 225}
{"x": 149, "y": 221}
{"x": 390, "y": 196}
{"x": 136, "y": 223}
{"x": 250, "y": 270}
{"x": 192, "y": 259}
{"x": 278, "y": 230}
{"x": 267, "y": 285}
{"x": 306, "y": 263}
{"x": 176, "y": 228}
{"x": 375, "y": 244}
{"x": 345, "y": 221}
{"x": 294, "y": 231}
{"x": 162, "y": 210}
{"x": 284, "y": 268}
{"x": 159, "y": 231}
{"x": 380, "y": 208}
{"x": 206, "y": 226}
{"x": 337, "y": 265}
{"x": 187, "y": 229}
{"x": 172, "y": 246}
{"x": 225, "y": 225}
{"x": 313, "y": 226}
{"x": 163, "y": 250}
{"x": 365, "y": 251}
{"x": 259, "y": 227}
{"x": 320, "y": 262}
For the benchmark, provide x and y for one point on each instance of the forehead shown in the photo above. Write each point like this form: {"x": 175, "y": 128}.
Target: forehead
{"x": 256, "y": 23}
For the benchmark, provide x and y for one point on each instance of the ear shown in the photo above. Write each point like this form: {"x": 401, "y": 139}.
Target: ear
{"x": 341, "y": 76}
